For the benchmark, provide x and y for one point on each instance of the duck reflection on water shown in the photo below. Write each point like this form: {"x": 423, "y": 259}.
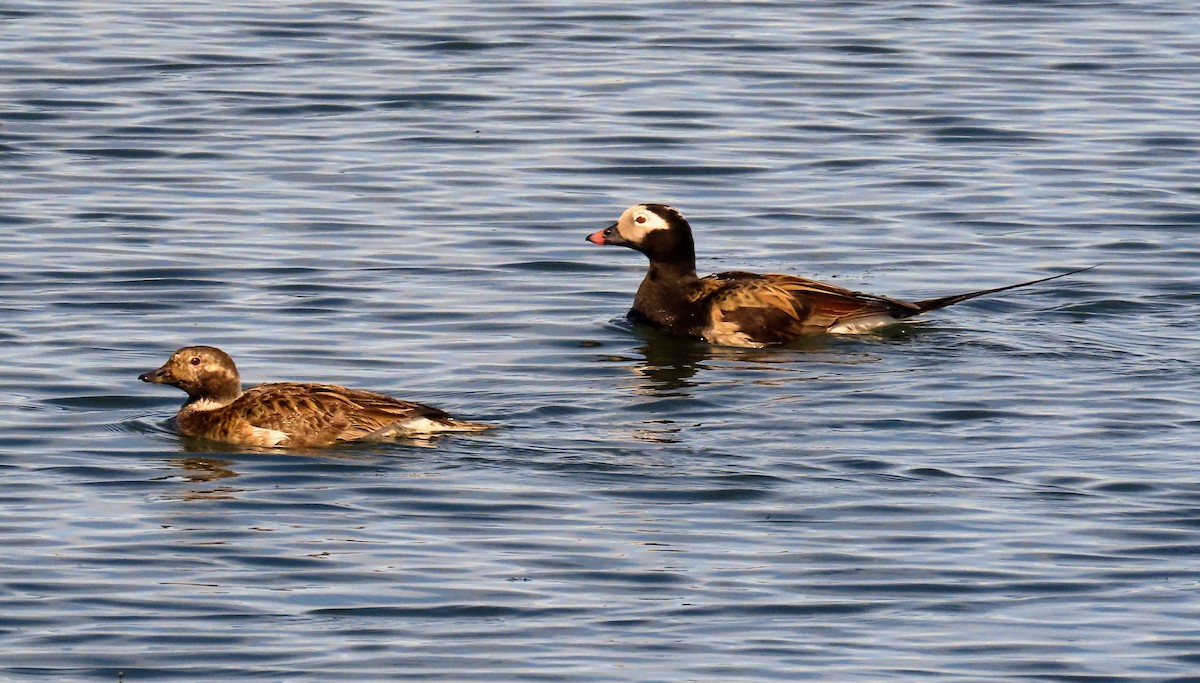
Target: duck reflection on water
{"x": 666, "y": 365}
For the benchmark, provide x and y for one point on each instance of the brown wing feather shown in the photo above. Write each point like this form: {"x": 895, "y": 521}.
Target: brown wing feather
{"x": 750, "y": 309}
{"x": 774, "y": 308}
{"x": 320, "y": 414}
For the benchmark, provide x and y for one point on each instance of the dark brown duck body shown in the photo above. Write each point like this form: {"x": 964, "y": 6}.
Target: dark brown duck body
{"x": 287, "y": 414}
{"x": 747, "y": 309}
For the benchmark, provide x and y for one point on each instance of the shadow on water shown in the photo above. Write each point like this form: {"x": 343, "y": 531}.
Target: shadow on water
{"x": 338, "y": 451}
{"x": 671, "y": 366}
{"x": 205, "y": 470}
{"x": 199, "y": 476}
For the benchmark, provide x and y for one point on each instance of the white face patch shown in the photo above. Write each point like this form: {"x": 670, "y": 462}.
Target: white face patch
{"x": 639, "y": 221}
{"x": 221, "y": 370}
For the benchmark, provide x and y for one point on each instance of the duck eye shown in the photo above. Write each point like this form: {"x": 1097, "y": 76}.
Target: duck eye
{"x": 640, "y": 219}
{"x": 195, "y": 360}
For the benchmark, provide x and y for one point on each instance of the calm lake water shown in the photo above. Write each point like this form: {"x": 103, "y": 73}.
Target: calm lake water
{"x": 394, "y": 196}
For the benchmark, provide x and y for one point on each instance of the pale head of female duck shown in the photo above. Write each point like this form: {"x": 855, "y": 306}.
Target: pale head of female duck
{"x": 657, "y": 230}
{"x": 206, "y": 373}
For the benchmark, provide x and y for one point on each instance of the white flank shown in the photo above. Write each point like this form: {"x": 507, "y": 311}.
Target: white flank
{"x": 861, "y": 325}
{"x": 418, "y": 426}
{"x": 269, "y": 437}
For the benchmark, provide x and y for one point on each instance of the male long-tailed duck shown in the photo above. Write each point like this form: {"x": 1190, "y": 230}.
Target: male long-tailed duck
{"x": 747, "y": 309}
{"x": 287, "y": 414}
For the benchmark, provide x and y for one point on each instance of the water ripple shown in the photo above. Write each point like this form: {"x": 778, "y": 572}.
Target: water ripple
{"x": 395, "y": 199}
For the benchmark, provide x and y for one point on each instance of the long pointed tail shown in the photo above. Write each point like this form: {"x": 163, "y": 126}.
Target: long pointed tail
{"x": 944, "y": 301}
{"x": 456, "y": 425}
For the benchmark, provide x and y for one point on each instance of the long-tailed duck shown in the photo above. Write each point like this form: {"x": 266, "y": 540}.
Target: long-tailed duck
{"x": 747, "y": 309}
{"x": 287, "y": 414}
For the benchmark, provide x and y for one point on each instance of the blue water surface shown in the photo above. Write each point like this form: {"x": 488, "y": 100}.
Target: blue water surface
{"x": 393, "y": 196}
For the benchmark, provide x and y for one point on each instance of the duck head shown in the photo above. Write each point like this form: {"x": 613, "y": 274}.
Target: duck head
{"x": 204, "y": 372}
{"x": 657, "y": 230}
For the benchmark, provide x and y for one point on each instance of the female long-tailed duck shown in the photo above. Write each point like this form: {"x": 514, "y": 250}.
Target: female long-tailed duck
{"x": 287, "y": 414}
{"x": 747, "y": 309}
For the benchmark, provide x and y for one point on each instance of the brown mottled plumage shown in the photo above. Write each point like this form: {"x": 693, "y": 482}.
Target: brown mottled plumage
{"x": 287, "y": 414}
{"x": 747, "y": 309}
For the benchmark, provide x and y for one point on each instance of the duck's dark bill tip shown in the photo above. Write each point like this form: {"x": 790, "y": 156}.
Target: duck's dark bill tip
{"x": 145, "y": 377}
{"x": 596, "y": 237}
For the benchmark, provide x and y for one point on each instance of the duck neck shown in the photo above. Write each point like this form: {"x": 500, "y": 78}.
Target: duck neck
{"x": 205, "y": 404}
{"x": 214, "y": 395}
{"x": 675, "y": 272}
{"x": 666, "y": 296}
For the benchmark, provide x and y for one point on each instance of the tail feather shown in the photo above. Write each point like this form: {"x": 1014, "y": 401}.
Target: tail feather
{"x": 456, "y": 425}
{"x": 425, "y": 426}
{"x": 926, "y": 305}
